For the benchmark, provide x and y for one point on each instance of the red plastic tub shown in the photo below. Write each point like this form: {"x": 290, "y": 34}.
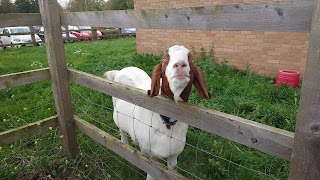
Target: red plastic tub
{"x": 288, "y": 77}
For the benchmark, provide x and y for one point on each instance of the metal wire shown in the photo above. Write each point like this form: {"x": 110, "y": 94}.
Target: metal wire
{"x": 197, "y": 148}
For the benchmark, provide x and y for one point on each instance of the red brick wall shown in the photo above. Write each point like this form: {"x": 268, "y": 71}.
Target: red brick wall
{"x": 265, "y": 52}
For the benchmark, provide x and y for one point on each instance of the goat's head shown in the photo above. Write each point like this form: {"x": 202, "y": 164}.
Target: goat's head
{"x": 175, "y": 75}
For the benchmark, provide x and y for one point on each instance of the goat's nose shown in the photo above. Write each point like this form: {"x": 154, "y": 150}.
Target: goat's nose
{"x": 180, "y": 65}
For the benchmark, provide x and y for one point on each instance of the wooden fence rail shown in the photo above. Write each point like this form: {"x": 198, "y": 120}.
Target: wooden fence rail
{"x": 21, "y": 78}
{"x": 290, "y": 15}
{"x": 265, "y": 138}
{"x": 114, "y": 34}
{"x": 32, "y": 129}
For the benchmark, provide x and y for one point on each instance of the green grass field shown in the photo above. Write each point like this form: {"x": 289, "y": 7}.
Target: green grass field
{"x": 206, "y": 156}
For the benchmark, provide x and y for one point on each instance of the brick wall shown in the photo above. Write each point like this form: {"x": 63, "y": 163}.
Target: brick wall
{"x": 265, "y": 52}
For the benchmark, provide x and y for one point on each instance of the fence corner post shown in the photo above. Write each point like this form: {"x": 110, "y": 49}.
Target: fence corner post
{"x": 50, "y": 16}
{"x": 305, "y": 159}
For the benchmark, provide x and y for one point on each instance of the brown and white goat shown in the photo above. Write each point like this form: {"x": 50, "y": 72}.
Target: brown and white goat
{"x": 158, "y": 135}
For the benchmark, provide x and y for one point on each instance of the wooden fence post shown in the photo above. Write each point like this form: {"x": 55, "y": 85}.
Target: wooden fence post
{"x": 33, "y": 37}
{"x": 305, "y": 158}
{"x": 67, "y": 33}
{"x": 94, "y": 33}
{"x": 59, "y": 75}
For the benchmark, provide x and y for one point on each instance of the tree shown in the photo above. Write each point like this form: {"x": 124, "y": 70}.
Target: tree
{"x": 130, "y": 4}
{"x": 27, "y": 6}
{"x": 119, "y": 4}
{"x": 99, "y": 5}
{"x": 85, "y": 5}
{"x": 6, "y": 6}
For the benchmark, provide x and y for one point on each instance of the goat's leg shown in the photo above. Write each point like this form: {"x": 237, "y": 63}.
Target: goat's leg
{"x": 172, "y": 162}
{"x": 124, "y": 137}
{"x": 147, "y": 152}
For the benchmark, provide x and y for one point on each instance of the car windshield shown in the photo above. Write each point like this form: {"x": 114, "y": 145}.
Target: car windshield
{"x": 19, "y": 30}
{"x": 63, "y": 29}
{"x": 84, "y": 27}
{"x": 74, "y": 28}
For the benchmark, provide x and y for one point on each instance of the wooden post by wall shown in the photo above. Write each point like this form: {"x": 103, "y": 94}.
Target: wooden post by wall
{"x": 305, "y": 158}
{"x": 59, "y": 75}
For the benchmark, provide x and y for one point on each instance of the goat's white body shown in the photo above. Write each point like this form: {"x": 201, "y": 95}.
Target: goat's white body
{"x": 144, "y": 126}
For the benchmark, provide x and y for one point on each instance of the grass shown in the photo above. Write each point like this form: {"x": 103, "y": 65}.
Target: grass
{"x": 206, "y": 156}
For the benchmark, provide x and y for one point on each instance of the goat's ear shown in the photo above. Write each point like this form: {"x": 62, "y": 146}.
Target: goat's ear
{"x": 200, "y": 84}
{"x": 191, "y": 58}
{"x": 155, "y": 81}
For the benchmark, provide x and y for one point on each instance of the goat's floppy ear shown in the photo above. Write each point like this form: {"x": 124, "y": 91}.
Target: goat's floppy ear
{"x": 200, "y": 84}
{"x": 155, "y": 81}
{"x": 191, "y": 59}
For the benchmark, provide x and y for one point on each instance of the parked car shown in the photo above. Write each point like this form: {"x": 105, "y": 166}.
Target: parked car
{"x": 83, "y": 32}
{"x": 10, "y": 39}
{"x": 129, "y": 31}
{"x": 72, "y": 38}
{"x": 37, "y": 28}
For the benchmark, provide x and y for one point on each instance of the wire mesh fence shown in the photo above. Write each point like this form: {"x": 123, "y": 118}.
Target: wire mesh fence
{"x": 205, "y": 156}
{"x": 26, "y": 104}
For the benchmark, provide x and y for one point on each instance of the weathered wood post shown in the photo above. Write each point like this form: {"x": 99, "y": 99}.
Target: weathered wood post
{"x": 305, "y": 159}
{"x": 59, "y": 75}
{"x": 94, "y": 33}
{"x": 33, "y": 37}
{"x": 67, "y": 33}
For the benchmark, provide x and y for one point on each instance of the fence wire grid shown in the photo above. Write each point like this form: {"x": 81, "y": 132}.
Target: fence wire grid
{"x": 205, "y": 156}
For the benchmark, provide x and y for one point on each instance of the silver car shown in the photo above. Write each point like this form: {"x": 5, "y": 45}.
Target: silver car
{"x": 12, "y": 36}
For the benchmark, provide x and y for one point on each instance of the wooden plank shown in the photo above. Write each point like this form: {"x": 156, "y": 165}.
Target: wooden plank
{"x": 289, "y": 15}
{"x": 264, "y": 138}
{"x": 28, "y": 130}
{"x": 114, "y": 18}
{"x": 305, "y": 160}
{"x": 135, "y": 157}
{"x": 20, "y": 19}
{"x": 26, "y": 33}
{"x": 26, "y": 77}
{"x": 19, "y": 44}
{"x": 33, "y": 37}
{"x": 59, "y": 75}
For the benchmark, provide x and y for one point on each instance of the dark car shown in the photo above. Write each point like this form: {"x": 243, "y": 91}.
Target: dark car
{"x": 72, "y": 38}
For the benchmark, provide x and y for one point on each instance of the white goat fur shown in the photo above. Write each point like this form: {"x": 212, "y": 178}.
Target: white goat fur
{"x": 145, "y": 127}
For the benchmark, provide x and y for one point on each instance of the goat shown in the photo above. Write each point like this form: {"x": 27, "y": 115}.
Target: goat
{"x": 156, "y": 134}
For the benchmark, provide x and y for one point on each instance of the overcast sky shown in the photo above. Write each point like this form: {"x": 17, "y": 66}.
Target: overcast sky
{"x": 63, "y": 2}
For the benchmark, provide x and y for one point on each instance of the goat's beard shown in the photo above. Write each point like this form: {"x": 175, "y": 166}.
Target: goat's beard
{"x": 177, "y": 86}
